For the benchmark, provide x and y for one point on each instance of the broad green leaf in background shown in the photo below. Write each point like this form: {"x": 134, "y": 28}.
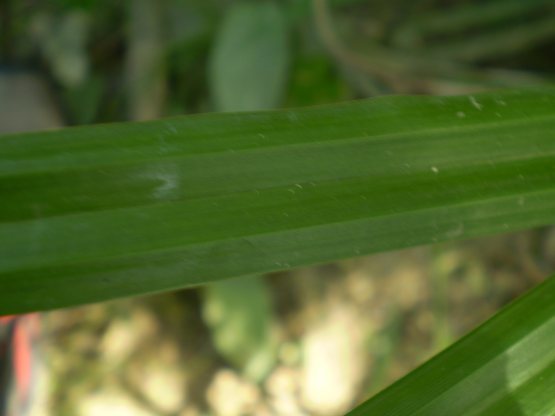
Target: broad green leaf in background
{"x": 239, "y": 315}
{"x": 251, "y": 49}
{"x": 505, "y": 367}
{"x": 93, "y": 213}
{"x": 239, "y": 311}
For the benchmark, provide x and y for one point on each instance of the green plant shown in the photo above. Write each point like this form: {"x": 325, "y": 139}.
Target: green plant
{"x": 109, "y": 211}
{"x": 94, "y": 213}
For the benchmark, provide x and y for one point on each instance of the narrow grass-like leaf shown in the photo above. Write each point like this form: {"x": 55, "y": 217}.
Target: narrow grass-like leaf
{"x": 458, "y": 19}
{"x": 94, "y": 213}
{"x": 505, "y": 367}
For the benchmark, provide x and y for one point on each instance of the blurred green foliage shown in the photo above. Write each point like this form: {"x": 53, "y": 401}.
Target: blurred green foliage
{"x": 248, "y": 66}
{"x": 101, "y": 56}
{"x": 109, "y": 61}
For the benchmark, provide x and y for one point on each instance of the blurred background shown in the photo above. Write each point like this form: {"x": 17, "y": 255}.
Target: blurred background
{"x": 311, "y": 341}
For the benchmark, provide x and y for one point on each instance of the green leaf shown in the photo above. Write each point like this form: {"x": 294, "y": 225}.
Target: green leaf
{"x": 239, "y": 314}
{"x": 250, "y": 56}
{"x": 505, "y": 367}
{"x": 314, "y": 80}
{"x": 459, "y": 19}
{"x": 94, "y": 213}
{"x": 241, "y": 330}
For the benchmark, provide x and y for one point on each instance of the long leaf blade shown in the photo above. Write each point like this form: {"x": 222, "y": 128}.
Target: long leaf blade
{"x": 506, "y": 366}
{"x": 98, "y": 212}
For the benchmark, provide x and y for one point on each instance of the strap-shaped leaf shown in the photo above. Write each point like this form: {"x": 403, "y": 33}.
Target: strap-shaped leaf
{"x": 94, "y": 213}
{"x": 505, "y": 367}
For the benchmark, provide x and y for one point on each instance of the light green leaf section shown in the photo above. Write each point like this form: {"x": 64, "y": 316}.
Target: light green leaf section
{"x": 251, "y": 50}
{"x": 505, "y": 367}
{"x": 239, "y": 313}
{"x": 94, "y": 213}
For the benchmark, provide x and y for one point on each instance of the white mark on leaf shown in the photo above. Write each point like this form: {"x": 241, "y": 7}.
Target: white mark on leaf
{"x": 171, "y": 128}
{"x": 168, "y": 182}
{"x": 475, "y": 103}
{"x": 293, "y": 117}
